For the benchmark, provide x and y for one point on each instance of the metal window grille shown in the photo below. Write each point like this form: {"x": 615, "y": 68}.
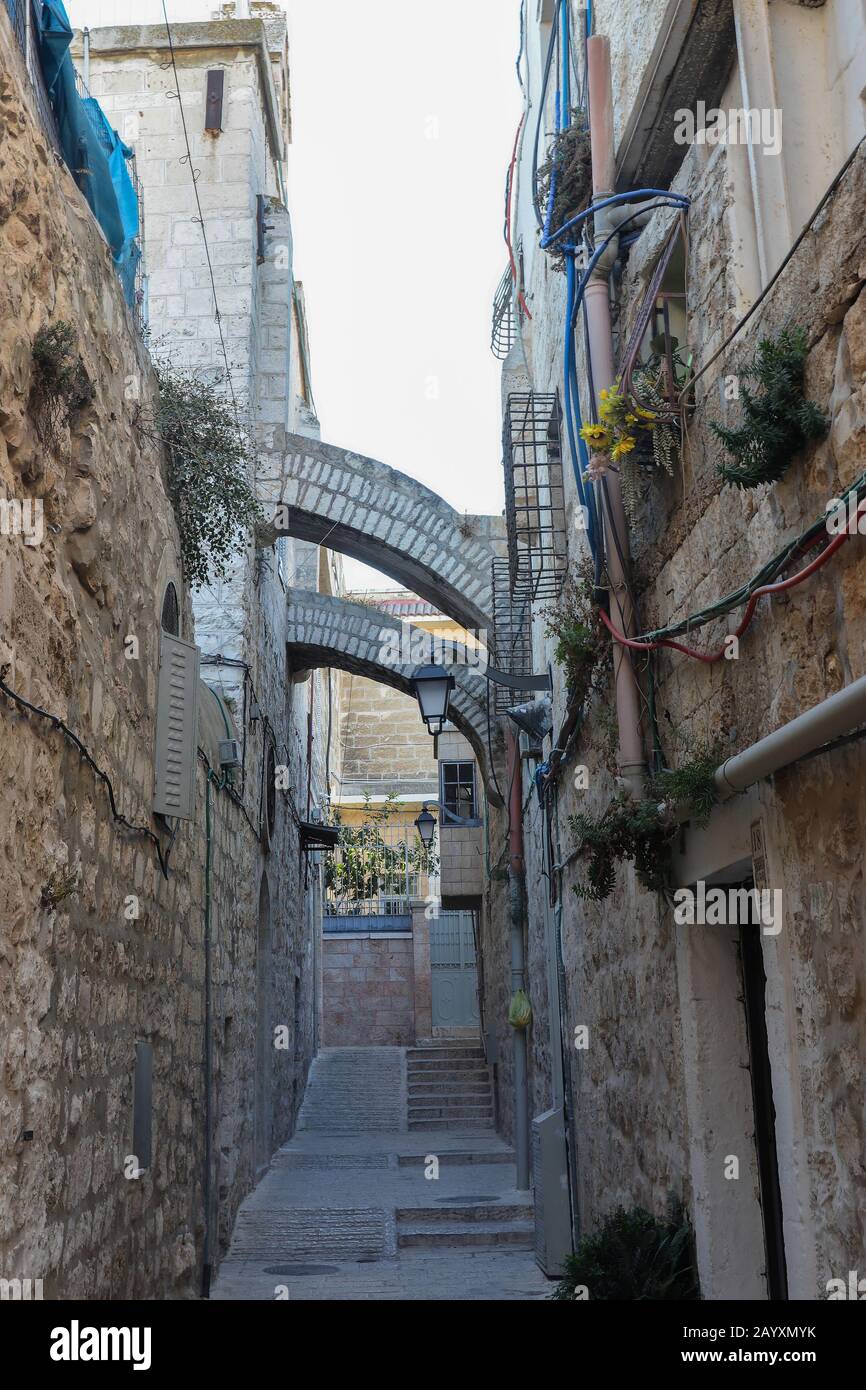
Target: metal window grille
{"x": 504, "y": 329}
{"x": 512, "y": 628}
{"x": 534, "y": 497}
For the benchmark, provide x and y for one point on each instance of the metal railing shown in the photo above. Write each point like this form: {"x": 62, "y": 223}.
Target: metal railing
{"x": 534, "y": 494}
{"x": 376, "y": 871}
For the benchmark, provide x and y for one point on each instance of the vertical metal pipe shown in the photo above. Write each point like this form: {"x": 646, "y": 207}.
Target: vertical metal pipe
{"x": 87, "y": 57}
{"x": 631, "y": 754}
{"x": 517, "y": 887}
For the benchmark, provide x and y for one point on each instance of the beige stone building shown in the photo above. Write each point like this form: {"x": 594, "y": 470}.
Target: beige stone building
{"x": 682, "y": 1054}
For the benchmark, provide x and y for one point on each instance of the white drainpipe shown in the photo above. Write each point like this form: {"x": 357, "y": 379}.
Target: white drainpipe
{"x": 834, "y": 717}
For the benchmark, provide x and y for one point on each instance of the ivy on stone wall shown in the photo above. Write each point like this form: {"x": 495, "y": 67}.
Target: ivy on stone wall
{"x": 644, "y": 830}
{"x": 59, "y": 385}
{"x": 777, "y": 419}
{"x": 210, "y": 467}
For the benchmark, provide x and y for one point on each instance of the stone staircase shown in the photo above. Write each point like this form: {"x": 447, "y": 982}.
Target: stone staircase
{"x": 449, "y": 1087}
{"x": 474, "y": 1224}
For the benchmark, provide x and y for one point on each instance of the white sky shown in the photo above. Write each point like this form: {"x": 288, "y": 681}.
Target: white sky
{"x": 403, "y": 113}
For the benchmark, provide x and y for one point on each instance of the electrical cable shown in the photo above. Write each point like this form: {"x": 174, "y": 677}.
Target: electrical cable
{"x": 97, "y": 770}
{"x": 187, "y": 159}
{"x": 780, "y": 587}
{"x": 772, "y": 281}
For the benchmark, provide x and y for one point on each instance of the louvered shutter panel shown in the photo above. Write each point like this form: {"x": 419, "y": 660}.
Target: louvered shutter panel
{"x": 176, "y": 728}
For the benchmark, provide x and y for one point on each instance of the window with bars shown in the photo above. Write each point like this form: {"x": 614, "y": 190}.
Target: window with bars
{"x": 457, "y": 789}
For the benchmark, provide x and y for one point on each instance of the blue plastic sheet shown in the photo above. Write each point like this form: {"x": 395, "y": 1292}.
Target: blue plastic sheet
{"x": 94, "y": 152}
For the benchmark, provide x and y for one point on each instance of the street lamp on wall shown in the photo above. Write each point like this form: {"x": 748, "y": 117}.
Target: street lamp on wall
{"x": 432, "y": 686}
{"x": 425, "y": 824}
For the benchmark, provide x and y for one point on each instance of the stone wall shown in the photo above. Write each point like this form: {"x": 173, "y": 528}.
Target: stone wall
{"x": 650, "y": 1112}
{"x": 102, "y": 951}
{"x": 368, "y": 991}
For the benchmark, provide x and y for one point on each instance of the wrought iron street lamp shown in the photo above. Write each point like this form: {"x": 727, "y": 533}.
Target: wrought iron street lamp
{"x": 432, "y": 686}
{"x": 426, "y": 825}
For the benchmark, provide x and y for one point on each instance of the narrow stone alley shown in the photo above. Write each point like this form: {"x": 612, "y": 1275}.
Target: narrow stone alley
{"x": 358, "y": 1207}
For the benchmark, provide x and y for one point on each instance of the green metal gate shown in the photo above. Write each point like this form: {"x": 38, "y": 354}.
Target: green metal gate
{"x": 453, "y": 972}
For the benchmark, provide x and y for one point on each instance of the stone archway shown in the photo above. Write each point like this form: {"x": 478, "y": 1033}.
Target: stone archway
{"x": 386, "y": 519}
{"x": 326, "y": 631}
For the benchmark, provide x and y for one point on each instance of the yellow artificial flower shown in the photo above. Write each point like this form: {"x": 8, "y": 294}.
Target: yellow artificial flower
{"x": 603, "y": 393}
{"x": 623, "y": 446}
{"x": 596, "y": 436}
{"x": 646, "y": 414}
{"x": 631, "y": 419}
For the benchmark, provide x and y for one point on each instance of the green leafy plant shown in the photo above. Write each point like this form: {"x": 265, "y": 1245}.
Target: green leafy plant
{"x": 59, "y": 385}
{"x": 777, "y": 420}
{"x": 366, "y": 865}
{"x": 628, "y": 829}
{"x": 210, "y": 462}
{"x": 582, "y": 645}
{"x": 644, "y": 830}
{"x": 570, "y": 156}
{"x": 634, "y": 1256}
{"x": 692, "y": 784}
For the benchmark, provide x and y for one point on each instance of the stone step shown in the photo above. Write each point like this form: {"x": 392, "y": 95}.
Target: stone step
{"x": 438, "y": 1064}
{"x": 472, "y": 1158}
{"x": 449, "y": 1088}
{"x": 452, "y": 1125}
{"x": 520, "y": 1234}
{"x": 489, "y": 1212}
{"x": 443, "y": 1054}
{"x": 460, "y": 1100}
{"x": 450, "y": 1112}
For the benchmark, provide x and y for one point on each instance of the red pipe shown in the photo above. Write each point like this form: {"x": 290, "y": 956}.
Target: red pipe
{"x": 521, "y": 298}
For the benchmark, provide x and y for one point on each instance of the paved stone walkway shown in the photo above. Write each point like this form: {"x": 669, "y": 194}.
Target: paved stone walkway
{"x": 352, "y": 1211}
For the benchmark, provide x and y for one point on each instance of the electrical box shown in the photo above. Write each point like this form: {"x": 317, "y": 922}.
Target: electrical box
{"x": 230, "y": 753}
{"x": 553, "y": 1242}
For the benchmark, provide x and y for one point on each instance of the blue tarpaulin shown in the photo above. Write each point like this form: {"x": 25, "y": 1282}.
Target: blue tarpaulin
{"x": 94, "y": 152}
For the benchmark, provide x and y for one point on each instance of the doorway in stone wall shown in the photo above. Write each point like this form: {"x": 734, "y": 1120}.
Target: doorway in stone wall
{"x": 755, "y": 1005}
{"x": 264, "y": 1049}
{"x": 731, "y": 1111}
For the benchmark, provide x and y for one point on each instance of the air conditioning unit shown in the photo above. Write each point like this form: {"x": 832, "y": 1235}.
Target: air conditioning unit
{"x": 553, "y": 1243}
{"x": 230, "y": 753}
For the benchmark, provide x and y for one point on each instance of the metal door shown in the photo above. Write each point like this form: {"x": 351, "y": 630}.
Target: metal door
{"x": 452, "y": 968}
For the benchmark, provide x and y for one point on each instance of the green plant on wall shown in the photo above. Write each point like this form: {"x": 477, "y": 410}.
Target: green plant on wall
{"x": 59, "y": 385}
{"x": 644, "y": 830}
{"x": 634, "y": 1256}
{"x": 777, "y": 419}
{"x": 210, "y": 463}
{"x": 582, "y": 645}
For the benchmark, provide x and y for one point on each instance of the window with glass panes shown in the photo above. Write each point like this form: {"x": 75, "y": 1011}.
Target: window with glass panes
{"x": 458, "y": 789}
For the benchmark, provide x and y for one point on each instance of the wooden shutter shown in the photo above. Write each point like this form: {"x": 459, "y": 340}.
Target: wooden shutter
{"x": 176, "y": 728}
{"x": 213, "y": 110}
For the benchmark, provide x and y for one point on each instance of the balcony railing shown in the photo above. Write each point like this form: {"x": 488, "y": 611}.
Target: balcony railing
{"x": 376, "y": 870}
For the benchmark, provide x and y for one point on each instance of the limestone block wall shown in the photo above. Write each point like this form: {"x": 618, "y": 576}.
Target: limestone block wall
{"x": 102, "y": 952}
{"x": 693, "y": 541}
{"x": 368, "y": 991}
{"x": 462, "y": 860}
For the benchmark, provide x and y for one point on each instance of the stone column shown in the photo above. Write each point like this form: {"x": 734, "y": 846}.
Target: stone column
{"x": 421, "y": 972}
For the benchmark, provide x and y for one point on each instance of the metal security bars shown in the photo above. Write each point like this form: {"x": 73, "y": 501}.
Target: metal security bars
{"x": 504, "y": 329}
{"x": 512, "y": 629}
{"x": 534, "y": 497}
